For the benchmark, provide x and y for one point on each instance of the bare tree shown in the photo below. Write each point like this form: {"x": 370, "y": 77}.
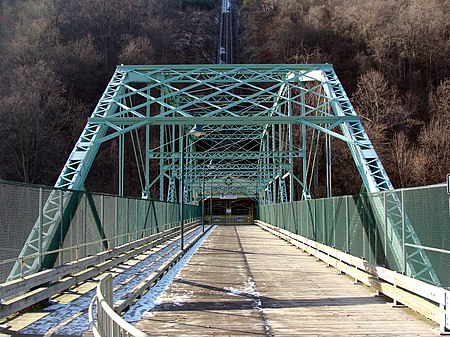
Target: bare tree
{"x": 403, "y": 154}
{"x": 435, "y": 142}
{"x": 137, "y": 50}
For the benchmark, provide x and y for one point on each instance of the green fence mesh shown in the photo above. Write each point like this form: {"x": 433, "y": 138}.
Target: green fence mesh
{"x": 389, "y": 229}
{"x": 122, "y": 219}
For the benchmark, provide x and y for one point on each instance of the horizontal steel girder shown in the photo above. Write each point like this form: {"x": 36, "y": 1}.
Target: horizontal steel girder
{"x": 219, "y": 155}
{"x": 215, "y": 120}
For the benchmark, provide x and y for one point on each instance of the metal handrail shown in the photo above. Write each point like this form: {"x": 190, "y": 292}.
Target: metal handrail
{"x": 91, "y": 243}
{"x": 106, "y": 322}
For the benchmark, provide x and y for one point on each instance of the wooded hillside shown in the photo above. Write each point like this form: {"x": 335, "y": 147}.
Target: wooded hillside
{"x": 392, "y": 57}
{"x": 57, "y": 57}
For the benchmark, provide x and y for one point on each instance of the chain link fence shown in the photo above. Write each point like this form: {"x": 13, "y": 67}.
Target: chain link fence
{"x": 100, "y": 221}
{"x": 405, "y": 230}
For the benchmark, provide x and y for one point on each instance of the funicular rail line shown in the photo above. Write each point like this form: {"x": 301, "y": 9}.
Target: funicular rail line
{"x": 134, "y": 267}
{"x": 227, "y": 37}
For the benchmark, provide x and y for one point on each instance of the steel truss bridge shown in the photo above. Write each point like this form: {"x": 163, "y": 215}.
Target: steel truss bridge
{"x": 259, "y": 124}
{"x": 204, "y": 131}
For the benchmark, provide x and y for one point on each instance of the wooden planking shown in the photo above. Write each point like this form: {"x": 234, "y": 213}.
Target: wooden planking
{"x": 217, "y": 266}
{"x": 299, "y": 295}
{"x": 431, "y": 292}
{"x": 375, "y": 276}
{"x": 150, "y": 280}
{"x": 314, "y": 300}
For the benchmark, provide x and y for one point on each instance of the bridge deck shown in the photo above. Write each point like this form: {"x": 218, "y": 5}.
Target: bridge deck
{"x": 243, "y": 281}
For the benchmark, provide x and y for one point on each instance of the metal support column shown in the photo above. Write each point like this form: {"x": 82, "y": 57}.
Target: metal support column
{"x": 121, "y": 164}
{"x": 181, "y": 186}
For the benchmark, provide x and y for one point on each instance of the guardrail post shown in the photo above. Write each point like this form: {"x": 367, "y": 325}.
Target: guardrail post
{"x": 108, "y": 290}
{"x": 41, "y": 225}
{"x": 347, "y": 225}
{"x": 385, "y": 230}
{"x": 21, "y": 266}
{"x": 61, "y": 239}
{"x": 403, "y": 234}
{"x": 445, "y": 324}
{"x": 116, "y": 222}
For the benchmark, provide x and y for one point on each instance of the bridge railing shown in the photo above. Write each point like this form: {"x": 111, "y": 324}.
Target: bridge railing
{"x": 98, "y": 223}
{"x": 362, "y": 226}
{"x": 78, "y": 251}
{"x": 104, "y": 318}
{"x": 105, "y": 322}
{"x": 21, "y": 293}
{"x": 431, "y": 301}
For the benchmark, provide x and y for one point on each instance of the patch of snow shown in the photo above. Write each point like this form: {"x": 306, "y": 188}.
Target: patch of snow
{"x": 125, "y": 281}
{"x": 152, "y": 298}
{"x": 122, "y": 283}
{"x": 257, "y": 304}
{"x": 233, "y": 292}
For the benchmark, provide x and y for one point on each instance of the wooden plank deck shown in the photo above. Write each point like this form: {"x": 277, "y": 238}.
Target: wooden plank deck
{"x": 244, "y": 281}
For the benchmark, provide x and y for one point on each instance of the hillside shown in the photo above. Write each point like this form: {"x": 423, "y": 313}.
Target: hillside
{"x": 392, "y": 57}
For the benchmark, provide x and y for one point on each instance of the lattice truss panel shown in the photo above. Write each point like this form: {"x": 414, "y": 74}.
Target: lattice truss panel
{"x": 257, "y": 119}
{"x": 253, "y": 118}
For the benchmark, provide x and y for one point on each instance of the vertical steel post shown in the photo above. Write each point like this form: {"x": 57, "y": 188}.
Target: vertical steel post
{"x": 162, "y": 129}
{"x": 210, "y": 204}
{"x": 203, "y": 204}
{"x": 181, "y": 191}
{"x": 147, "y": 151}
{"x": 116, "y": 221}
{"x": 274, "y": 172}
{"x": 305, "y": 192}
{"x": 328, "y": 164}
{"x": 385, "y": 228}
{"x": 41, "y": 224}
{"x": 85, "y": 211}
{"x": 334, "y": 223}
{"x": 188, "y": 172}
{"x": 280, "y": 160}
{"x": 403, "y": 234}
{"x": 121, "y": 141}
{"x": 324, "y": 225}
{"x": 61, "y": 224}
{"x": 291, "y": 149}
{"x": 347, "y": 225}
{"x": 266, "y": 170}
{"x": 102, "y": 216}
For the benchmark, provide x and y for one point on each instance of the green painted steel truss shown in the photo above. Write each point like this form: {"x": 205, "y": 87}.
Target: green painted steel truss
{"x": 248, "y": 112}
{"x": 258, "y": 121}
